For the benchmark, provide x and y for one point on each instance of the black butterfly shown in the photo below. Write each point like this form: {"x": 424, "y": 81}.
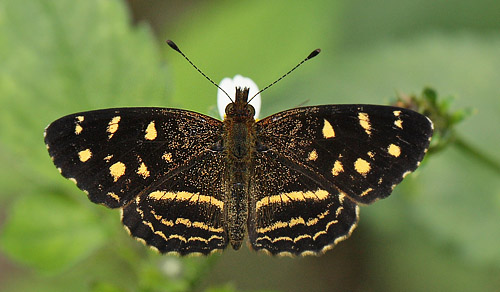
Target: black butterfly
{"x": 188, "y": 183}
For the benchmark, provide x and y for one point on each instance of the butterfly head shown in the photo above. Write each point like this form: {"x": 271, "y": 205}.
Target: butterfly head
{"x": 230, "y": 85}
{"x": 240, "y": 109}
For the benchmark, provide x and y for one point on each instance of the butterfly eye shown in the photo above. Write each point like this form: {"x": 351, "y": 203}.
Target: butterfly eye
{"x": 251, "y": 110}
{"x": 229, "y": 108}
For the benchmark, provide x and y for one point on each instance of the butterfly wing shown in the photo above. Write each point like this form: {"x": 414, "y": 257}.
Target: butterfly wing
{"x": 183, "y": 213}
{"x": 139, "y": 159}
{"x": 291, "y": 213}
{"x": 340, "y": 155}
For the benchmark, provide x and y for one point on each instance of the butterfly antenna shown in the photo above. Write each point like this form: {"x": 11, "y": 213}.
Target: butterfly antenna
{"x": 310, "y": 56}
{"x": 175, "y": 47}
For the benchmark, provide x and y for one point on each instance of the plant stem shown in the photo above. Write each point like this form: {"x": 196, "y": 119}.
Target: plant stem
{"x": 477, "y": 154}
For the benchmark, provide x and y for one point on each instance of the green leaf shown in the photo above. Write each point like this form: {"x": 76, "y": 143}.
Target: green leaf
{"x": 247, "y": 38}
{"x": 225, "y": 288}
{"x": 408, "y": 255}
{"x": 50, "y": 232}
{"x": 106, "y": 287}
{"x": 457, "y": 196}
{"x": 59, "y": 57}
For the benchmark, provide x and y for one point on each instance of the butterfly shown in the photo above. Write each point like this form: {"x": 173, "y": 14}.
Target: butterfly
{"x": 189, "y": 183}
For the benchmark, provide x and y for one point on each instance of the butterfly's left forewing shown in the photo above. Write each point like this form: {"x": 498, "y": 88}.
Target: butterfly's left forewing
{"x": 361, "y": 150}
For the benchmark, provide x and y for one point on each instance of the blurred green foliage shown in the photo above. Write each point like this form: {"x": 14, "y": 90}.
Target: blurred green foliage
{"x": 438, "y": 231}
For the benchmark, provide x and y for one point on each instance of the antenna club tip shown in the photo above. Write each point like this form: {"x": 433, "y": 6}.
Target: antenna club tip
{"x": 173, "y": 45}
{"x": 313, "y": 54}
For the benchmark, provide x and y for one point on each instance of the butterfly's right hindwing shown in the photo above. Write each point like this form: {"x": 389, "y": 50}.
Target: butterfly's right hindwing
{"x": 183, "y": 213}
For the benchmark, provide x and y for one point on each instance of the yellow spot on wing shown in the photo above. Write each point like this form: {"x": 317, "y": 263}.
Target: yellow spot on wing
{"x": 85, "y": 155}
{"x": 143, "y": 170}
{"x": 113, "y": 126}
{"x": 162, "y": 221}
{"x": 394, "y": 150}
{"x": 167, "y": 222}
{"x": 396, "y": 113}
{"x": 364, "y": 121}
{"x": 151, "y": 131}
{"x": 114, "y": 196}
{"x": 339, "y": 210}
{"x": 179, "y": 237}
{"x": 399, "y": 123}
{"x": 313, "y": 221}
{"x": 326, "y": 229}
{"x": 186, "y": 196}
{"x": 197, "y": 238}
{"x": 117, "y": 170}
{"x": 204, "y": 226}
{"x": 296, "y": 221}
{"x": 286, "y": 238}
{"x": 187, "y": 223}
{"x": 328, "y": 131}
{"x": 293, "y": 222}
{"x": 362, "y": 166}
{"x": 161, "y": 234}
{"x": 313, "y": 155}
{"x": 78, "y": 129}
{"x": 366, "y": 192}
{"x": 167, "y": 157}
{"x": 183, "y": 221}
{"x": 292, "y": 196}
{"x": 157, "y": 195}
{"x": 341, "y": 197}
{"x": 108, "y": 158}
{"x": 276, "y": 225}
{"x": 337, "y": 168}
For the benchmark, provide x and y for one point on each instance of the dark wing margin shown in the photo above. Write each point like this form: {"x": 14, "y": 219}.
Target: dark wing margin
{"x": 113, "y": 154}
{"x": 363, "y": 151}
{"x": 291, "y": 214}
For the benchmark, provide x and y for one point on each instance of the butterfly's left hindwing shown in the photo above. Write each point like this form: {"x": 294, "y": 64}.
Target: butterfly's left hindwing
{"x": 291, "y": 214}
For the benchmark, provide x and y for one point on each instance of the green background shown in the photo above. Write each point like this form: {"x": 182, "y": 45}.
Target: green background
{"x": 439, "y": 231}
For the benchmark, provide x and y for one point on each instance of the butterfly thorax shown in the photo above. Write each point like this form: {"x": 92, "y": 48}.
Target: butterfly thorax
{"x": 239, "y": 140}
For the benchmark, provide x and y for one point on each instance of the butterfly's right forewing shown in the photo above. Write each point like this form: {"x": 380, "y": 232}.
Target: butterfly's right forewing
{"x": 115, "y": 154}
